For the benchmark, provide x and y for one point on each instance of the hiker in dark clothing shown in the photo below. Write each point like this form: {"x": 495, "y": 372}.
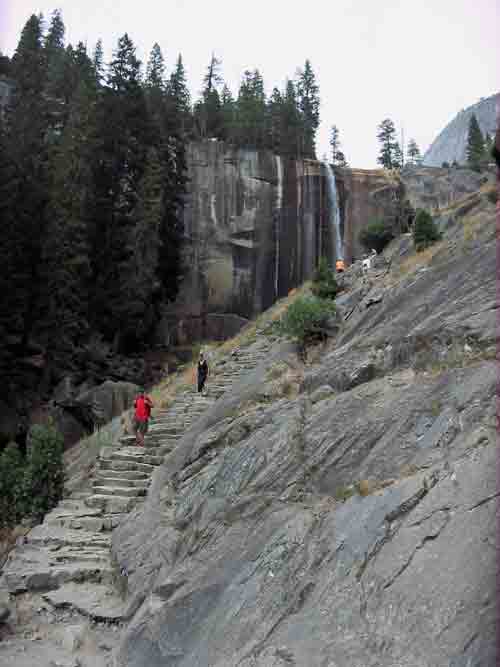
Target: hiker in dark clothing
{"x": 202, "y": 372}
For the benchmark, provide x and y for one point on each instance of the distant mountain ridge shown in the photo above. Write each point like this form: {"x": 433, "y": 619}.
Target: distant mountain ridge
{"x": 451, "y": 142}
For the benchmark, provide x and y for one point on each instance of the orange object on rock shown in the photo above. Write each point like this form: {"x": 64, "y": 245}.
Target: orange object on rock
{"x": 339, "y": 265}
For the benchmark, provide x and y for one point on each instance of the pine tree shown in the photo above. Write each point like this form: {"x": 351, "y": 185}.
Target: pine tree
{"x": 178, "y": 98}
{"x": 387, "y": 138}
{"x": 98, "y": 62}
{"x": 274, "y": 121}
{"x": 291, "y": 123}
{"x": 309, "y": 104}
{"x": 155, "y": 69}
{"x": 414, "y": 156}
{"x": 55, "y": 54}
{"x": 208, "y": 110}
{"x": 125, "y": 134}
{"x": 154, "y": 85}
{"x": 475, "y": 145}
{"x": 66, "y": 260}
{"x": 139, "y": 293}
{"x": 228, "y": 114}
{"x": 25, "y": 189}
{"x": 338, "y": 157}
{"x": 425, "y": 231}
{"x": 397, "y": 160}
{"x": 4, "y": 65}
{"x": 251, "y": 111}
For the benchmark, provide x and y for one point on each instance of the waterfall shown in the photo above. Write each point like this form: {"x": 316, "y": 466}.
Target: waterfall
{"x": 337, "y": 249}
{"x": 277, "y": 218}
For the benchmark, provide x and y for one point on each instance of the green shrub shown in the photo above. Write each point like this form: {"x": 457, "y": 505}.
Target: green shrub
{"x": 305, "y": 318}
{"x": 425, "y": 232}
{"x": 492, "y": 196}
{"x": 324, "y": 283}
{"x": 376, "y": 235}
{"x": 11, "y": 486}
{"x": 44, "y": 476}
{"x": 31, "y": 486}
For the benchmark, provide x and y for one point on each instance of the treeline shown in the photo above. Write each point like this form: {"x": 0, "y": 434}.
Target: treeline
{"x": 92, "y": 181}
{"x": 92, "y": 176}
{"x": 393, "y": 153}
{"x": 286, "y": 122}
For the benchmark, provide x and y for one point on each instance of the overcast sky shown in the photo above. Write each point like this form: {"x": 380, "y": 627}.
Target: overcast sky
{"x": 416, "y": 61}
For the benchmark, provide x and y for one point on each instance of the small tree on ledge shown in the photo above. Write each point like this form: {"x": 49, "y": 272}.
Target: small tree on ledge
{"x": 425, "y": 232}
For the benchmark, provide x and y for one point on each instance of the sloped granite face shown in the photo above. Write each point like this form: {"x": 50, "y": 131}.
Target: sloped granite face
{"x": 451, "y": 143}
{"x": 355, "y": 528}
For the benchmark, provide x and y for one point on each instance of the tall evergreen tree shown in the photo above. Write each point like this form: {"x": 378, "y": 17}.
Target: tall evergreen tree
{"x": 208, "y": 110}
{"x": 397, "y": 159}
{"x": 309, "y": 104}
{"x": 55, "y": 54}
{"x": 475, "y": 145}
{"x": 178, "y": 97}
{"x": 155, "y": 69}
{"x": 337, "y": 156}
{"x": 387, "y": 138}
{"x": 140, "y": 293}
{"x": 66, "y": 260}
{"x": 125, "y": 134}
{"x": 228, "y": 114}
{"x": 26, "y": 187}
{"x": 274, "y": 121}
{"x": 291, "y": 122}
{"x": 98, "y": 61}
{"x": 414, "y": 156}
{"x": 251, "y": 111}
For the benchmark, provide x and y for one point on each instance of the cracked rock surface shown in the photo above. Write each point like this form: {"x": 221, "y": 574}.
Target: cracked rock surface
{"x": 346, "y": 517}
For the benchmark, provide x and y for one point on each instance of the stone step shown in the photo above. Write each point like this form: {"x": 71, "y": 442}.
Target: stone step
{"x": 33, "y": 569}
{"x": 60, "y": 513}
{"x": 113, "y": 504}
{"x": 94, "y": 524}
{"x": 100, "y": 602}
{"x": 123, "y": 491}
{"x": 137, "y": 456}
{"x": 79, "y": 495}
{"x": 112, "y": 480}
{"x": 81, "y": 556}
{"x": 129, "y": 475}
{"x": 127, "y": 439}
{"x": 124, "y": 465}
{"x": 45, "y": 535}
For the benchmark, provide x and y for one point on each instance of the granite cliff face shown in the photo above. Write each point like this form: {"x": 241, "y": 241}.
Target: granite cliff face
{"x": 451, "y": 142}
{"x": 343, "y": 512}
{"x": 256, "y": 225}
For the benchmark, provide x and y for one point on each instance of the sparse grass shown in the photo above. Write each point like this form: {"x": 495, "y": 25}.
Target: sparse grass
{"x": 343, "y": 493}
{"x": 419, "y": 260}
{"x": 436, "y": 408}
{"x": 266, "y": 320}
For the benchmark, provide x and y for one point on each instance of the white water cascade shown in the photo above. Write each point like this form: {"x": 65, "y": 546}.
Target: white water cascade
{"x": 277, "y": 217}
{"x": 337, "y": 249}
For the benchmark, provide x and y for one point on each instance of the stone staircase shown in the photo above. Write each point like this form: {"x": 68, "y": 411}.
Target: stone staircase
{"x": 68, "y": 557}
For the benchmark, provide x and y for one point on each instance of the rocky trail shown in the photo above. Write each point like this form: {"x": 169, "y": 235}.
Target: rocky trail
{"x": 65, "y": 565}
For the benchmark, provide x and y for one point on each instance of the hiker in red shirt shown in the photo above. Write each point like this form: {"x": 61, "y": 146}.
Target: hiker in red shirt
{"x": 142, "y": 405}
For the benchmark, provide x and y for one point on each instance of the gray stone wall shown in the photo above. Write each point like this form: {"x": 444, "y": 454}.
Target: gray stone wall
{"x": 255, "y": 225}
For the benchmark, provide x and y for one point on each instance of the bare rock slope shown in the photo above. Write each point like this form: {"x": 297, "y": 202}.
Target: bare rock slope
{"x": 339, "y": 513}
{"x": 451, "y": 142}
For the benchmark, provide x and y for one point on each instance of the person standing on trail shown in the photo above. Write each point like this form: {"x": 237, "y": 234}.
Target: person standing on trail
{"x": 202, "y": 372}
{"x": 142, "y": 413}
